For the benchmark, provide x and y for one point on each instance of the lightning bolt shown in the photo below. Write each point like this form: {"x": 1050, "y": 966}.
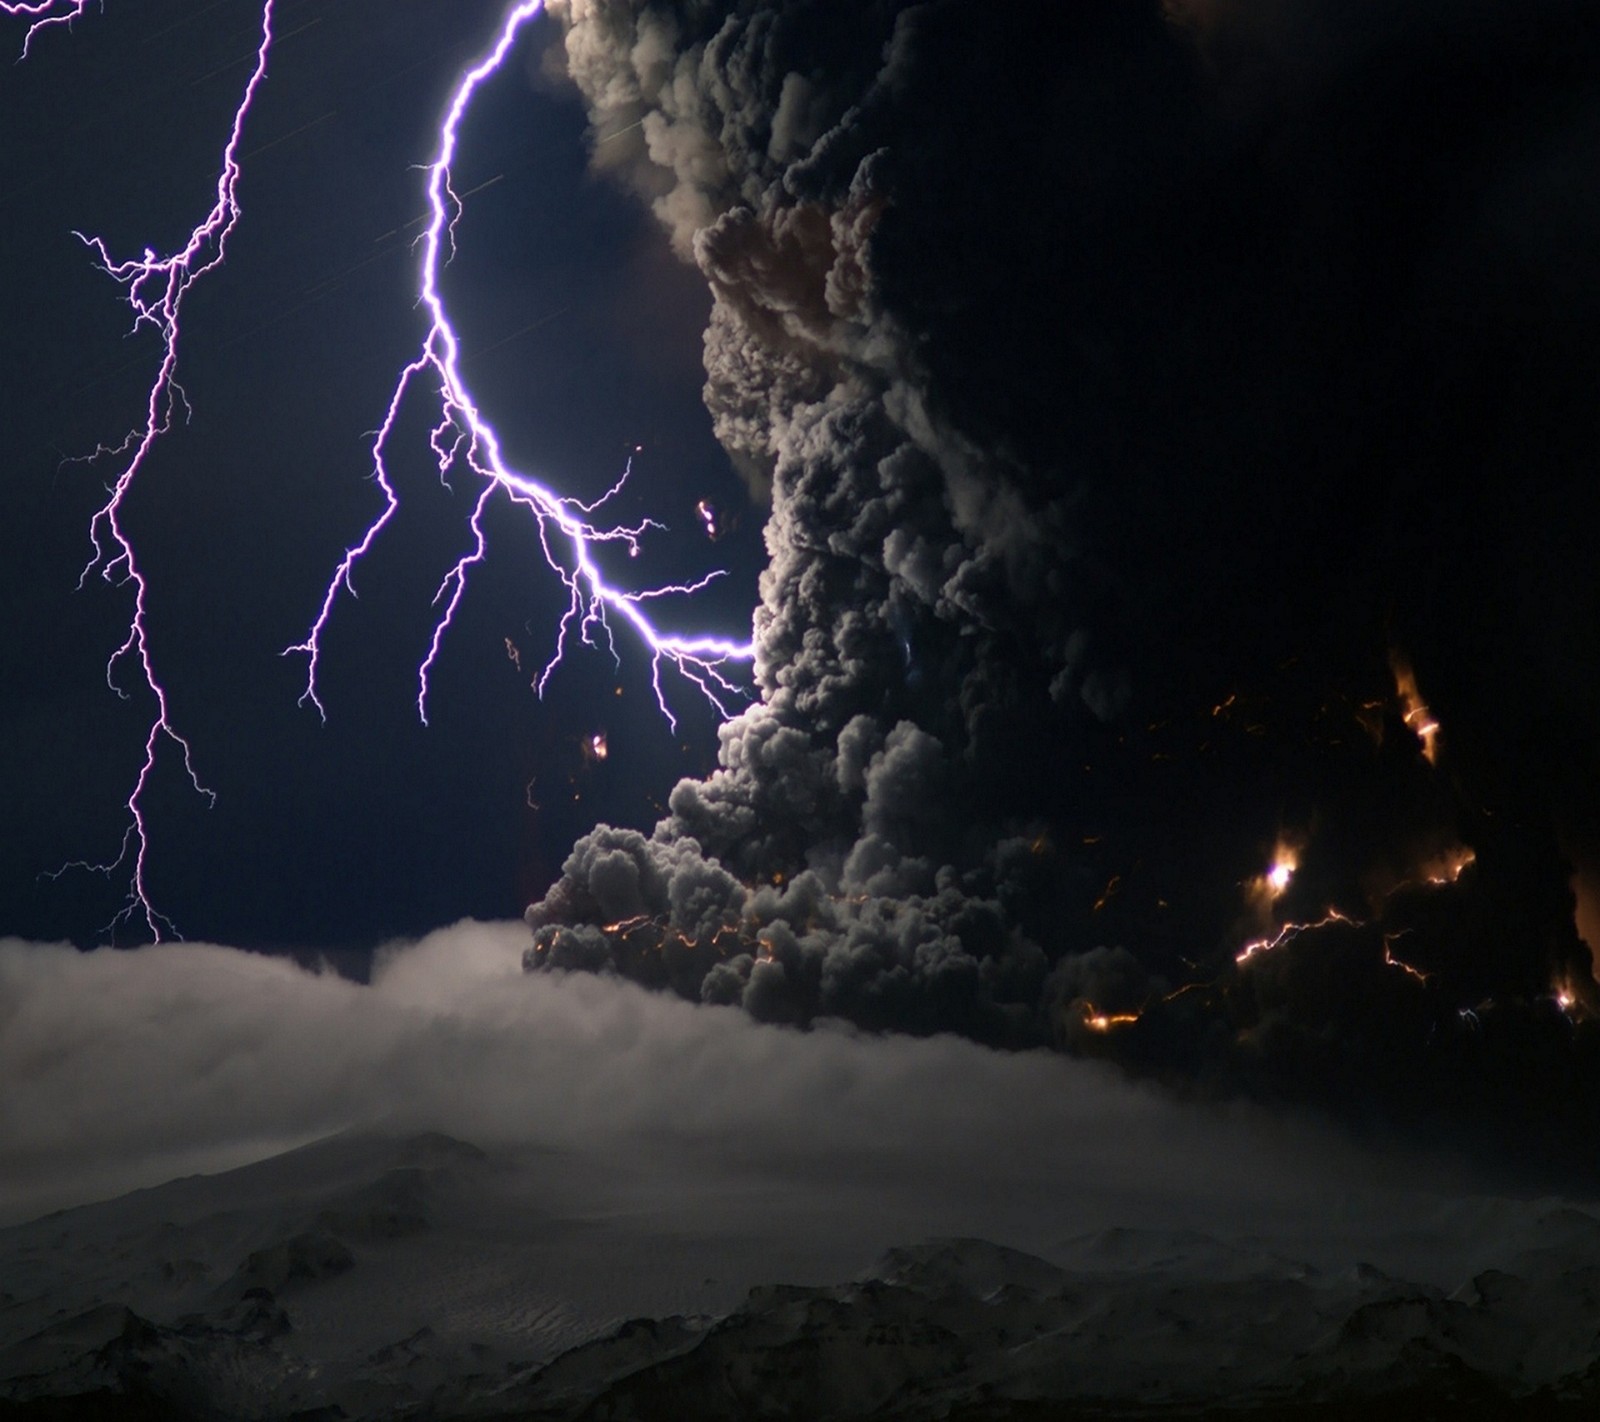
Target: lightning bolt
{"x": 1290, "y": 931}
{"x": 463, "y": 438}
{"x": 155, "y": 288}
{"x": 42, "y": 14}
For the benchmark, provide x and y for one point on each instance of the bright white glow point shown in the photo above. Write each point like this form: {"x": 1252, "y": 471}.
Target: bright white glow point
{"x": 1266, "y": 889}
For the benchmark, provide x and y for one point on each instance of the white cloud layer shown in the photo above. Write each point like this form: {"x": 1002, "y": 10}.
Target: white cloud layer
{"x": 126, "y": 1069}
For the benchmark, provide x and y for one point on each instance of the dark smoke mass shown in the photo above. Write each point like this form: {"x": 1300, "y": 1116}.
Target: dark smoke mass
{"x": 1178, "y": 642}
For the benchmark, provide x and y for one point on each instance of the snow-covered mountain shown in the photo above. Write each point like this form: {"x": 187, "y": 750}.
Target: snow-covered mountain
{"x": 374, "y": 1277}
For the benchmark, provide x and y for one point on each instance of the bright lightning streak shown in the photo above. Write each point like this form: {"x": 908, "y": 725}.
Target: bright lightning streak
{"x": 464, "y": 437}
{"x": 1289, "y": 932}
{"x": 42, "y": 14}
{"x": 155, "y": 288}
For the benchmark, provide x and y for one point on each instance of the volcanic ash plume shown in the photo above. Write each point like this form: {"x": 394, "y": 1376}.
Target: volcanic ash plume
{"x": 869, "y": 843}
{"x": 1107, "y": 576}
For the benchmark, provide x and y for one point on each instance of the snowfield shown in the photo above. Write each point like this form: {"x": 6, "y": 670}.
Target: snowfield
{"x": 371, "y": 1276}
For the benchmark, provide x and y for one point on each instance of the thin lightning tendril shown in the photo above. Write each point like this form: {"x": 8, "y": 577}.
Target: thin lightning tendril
{"x": 463, "y": 437}
{"x": 155, "y": 288}
{"x": 42, "y": 14}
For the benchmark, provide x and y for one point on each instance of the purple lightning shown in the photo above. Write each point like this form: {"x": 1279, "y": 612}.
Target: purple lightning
{"x": 43, "y": 14}
{"x": 155, "y": 288}
{"x": 463, "y": 437}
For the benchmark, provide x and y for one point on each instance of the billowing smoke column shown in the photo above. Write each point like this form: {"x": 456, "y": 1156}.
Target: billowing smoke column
{"x": 1177, "y": 423}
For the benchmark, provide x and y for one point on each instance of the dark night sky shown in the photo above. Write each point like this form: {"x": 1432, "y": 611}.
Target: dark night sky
{"x": 331, "y": 836}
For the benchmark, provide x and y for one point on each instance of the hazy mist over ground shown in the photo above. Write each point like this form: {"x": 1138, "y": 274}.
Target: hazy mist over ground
{"x": 125, "y": 1069}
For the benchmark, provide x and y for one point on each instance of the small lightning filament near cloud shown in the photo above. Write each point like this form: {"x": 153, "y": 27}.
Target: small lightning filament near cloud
{"x": 41, "y": 14}
{"x": 463, "y": 438}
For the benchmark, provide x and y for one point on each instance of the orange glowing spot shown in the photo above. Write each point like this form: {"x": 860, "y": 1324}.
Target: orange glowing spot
{"x": 1449, "y": 866}
{"x": 1269, "y": 886}
{"x": 1176, "y": 993}
{"x": 1110, "y": 893}
{"x": 626, "y": 925}
{"x": 595, "y": 748}
{"x": 1097, "y": 1021}
{"x": 1414, "y": 709}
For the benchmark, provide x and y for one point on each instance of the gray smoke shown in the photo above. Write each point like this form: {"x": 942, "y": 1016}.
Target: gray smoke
{"x": 848, "y": 858}
{"x": 1076, "y": 349}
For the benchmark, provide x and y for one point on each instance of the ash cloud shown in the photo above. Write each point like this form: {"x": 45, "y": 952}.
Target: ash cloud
{"x": 1130, "y": 384}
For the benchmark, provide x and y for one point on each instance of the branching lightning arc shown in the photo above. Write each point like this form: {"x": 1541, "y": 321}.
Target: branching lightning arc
{"x": 463, "y": 436}
{"x": 156, "y": 286}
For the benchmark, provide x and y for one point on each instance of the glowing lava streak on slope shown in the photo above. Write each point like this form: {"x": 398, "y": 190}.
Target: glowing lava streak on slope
{"x": 463, "y": 436}
{"x": 155, "y": 288}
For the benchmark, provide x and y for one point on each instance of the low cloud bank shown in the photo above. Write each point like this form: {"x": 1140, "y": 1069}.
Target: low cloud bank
{"x": 125, "y": 1069}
